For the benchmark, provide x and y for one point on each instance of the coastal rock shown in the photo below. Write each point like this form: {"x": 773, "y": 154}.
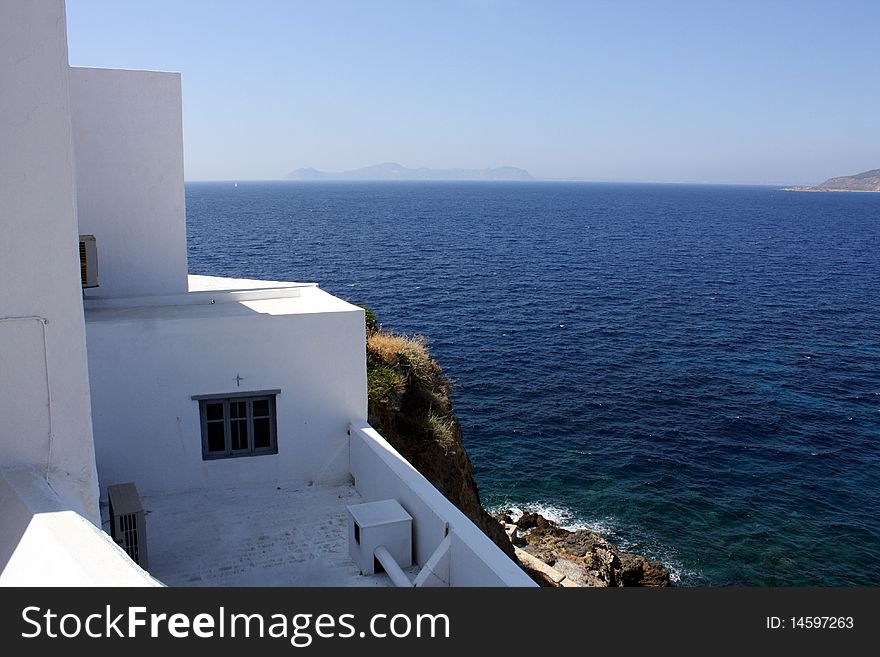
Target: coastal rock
{"x": 534, "y": 521}
{"x": 581, "y": 557}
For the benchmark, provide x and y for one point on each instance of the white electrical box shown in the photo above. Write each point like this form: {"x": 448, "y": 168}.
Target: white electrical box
{"x": 374, "y": 524}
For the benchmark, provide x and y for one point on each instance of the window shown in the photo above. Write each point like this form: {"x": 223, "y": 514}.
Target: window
{"x": 238, "y": 426}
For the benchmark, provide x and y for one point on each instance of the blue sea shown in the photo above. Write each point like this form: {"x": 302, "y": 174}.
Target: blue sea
{"x": 693, "y": 370}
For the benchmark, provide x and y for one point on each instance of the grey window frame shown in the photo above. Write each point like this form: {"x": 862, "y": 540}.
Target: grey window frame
{"x": 226, "y": 400}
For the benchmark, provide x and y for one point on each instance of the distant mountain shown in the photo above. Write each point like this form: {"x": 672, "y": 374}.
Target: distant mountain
{"x": 394, "y": 171}
{"x": 868, "y": 181}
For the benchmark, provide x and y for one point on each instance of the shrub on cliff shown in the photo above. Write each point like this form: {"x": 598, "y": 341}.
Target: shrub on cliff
{"x": 400, "y": 369}
{"x": 370, "y": 321}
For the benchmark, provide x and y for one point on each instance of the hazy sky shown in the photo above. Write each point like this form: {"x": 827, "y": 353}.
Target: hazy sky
{"x": 704, "y": 91}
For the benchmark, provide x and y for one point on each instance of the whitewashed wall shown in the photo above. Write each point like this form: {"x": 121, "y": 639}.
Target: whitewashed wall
{"x": 44, "y": 393}
{"x": 144, "y": 373}
{"x": 128, "y": 148}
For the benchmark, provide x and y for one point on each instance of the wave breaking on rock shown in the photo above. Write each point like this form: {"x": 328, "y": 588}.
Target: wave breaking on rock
{"x": 559, "y": 557}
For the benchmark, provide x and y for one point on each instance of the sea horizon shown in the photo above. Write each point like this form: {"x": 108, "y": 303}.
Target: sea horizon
{"x": 492, "y": 182}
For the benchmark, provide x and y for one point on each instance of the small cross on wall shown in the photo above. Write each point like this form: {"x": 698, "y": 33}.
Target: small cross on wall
{"x": 238, "y": 379}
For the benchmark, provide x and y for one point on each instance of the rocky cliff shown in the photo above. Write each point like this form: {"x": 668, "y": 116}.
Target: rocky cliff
{"x": 410, "y": 404}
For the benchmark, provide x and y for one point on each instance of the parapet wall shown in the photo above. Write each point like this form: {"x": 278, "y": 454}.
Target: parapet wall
{"x": 380, "y": 472}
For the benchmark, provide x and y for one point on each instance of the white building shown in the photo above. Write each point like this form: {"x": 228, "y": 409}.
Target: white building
{"x": 236, "y": 407}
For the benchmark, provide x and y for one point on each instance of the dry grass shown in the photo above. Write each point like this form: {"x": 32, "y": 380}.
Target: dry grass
{"x": 443, "y": 429}
{"x": 408, "y": 350}
{"x": 403, "y": 378}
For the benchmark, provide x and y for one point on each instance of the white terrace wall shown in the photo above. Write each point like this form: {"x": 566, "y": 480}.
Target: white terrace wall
{"x": 380, "y": 472}
{"x": 128, "y": 148}
{"x": 44, "y": 393}
{"x": 145, "y": 371}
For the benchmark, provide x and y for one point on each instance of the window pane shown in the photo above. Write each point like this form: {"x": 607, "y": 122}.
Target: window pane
{"x": 239, "y": 434}
{"x": 237, "y": 409}
{"x": 238, "y": 426}
{"x": 216, "y": 437}
{"x": 214, "y": 411}
{"x": 262, "y": 435}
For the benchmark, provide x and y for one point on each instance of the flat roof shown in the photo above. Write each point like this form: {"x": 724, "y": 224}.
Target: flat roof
{"x": 214, "y": 296}
{"x": 259, "y": 535}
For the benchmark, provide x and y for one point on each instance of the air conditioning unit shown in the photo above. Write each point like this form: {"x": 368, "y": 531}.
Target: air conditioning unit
{"x": 88, "y": 261}
{"x": 127, "y": 525}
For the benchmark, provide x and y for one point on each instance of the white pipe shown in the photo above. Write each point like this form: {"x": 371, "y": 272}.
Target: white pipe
{"x": 395, "y": 572}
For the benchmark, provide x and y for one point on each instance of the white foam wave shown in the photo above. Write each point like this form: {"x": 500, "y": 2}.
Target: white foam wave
{"x": 561, "y": 515}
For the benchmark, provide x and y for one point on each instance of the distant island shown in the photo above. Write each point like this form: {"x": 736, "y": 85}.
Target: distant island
{"x": 394, "y": 171}
{"x": 867, "y": 181}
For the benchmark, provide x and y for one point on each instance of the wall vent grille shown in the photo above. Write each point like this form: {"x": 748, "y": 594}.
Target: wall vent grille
{"x": 88, "y": 261}
{"x": 127, "y": 525}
